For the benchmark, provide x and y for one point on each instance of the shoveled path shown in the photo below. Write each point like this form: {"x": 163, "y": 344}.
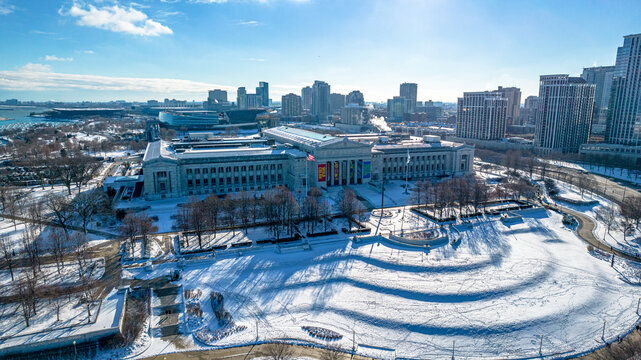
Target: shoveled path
{"x": 585, "y": 232}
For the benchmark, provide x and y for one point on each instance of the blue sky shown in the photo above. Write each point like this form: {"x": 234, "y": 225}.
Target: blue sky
{"x": 105, "y": 50}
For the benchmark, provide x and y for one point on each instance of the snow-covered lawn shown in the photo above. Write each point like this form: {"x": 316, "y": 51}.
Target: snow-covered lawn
{"x": 227, "y": 238}
{"x": 633, "y": 176}
{"x": 48, "y": 274}
{"x": 72, "y": 313}
{"x": 494, "y": 294}
{"x": 154, "y": 251}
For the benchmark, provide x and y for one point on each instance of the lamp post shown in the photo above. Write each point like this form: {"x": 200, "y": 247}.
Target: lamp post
{"x": 75, "y": 351}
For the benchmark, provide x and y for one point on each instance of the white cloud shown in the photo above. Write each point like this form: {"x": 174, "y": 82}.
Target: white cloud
{"x": 117, "y": 19}
{"x": 255, "y": 59}
{"x": 247, "y": 22}
{"x": 55, "y": 58}
{"x": 38, "y": 77}
{"x": 30, "y": 67}
{"x": 90, "y": 52}
{"x": 6, "y": 9}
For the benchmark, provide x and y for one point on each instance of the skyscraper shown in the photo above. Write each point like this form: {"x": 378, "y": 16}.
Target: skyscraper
{"x": 320, "y": 100}
{"x": 565, "y": 113}
{"x": 355, "y": 97}
{"x": 241, "y": 98}
{"x": 513, "y": 95}
{"x": 396, "y": 107}
{"x": 263, "y": 92}
{"x": 408, "y": 91}
{"x": 601, "y": 77}
{"x": 624, "y": 114}
{"x": 481, "y": 115}
{"x": 306, "y": 97}
{"x": 336, "y": 103}
{"x": 291, "y": 105}
{"x": 216, "y": 99}
{"x": 530, "y": 108}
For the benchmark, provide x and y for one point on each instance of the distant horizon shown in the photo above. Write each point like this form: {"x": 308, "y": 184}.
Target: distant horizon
{"x": 72, "y": 51}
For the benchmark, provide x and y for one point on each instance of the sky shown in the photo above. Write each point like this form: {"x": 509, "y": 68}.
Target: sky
{"x": 98, "y": 50}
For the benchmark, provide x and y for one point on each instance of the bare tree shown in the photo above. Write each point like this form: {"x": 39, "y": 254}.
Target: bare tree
{"x": 7, "y": 255}
{"x": 197, "y": 219}
{"x": 609, "y": 216}
{"x": 331, "y": 353}
{"x": 57, "y": 241}
{"x": 244, "y": 201}
{"x": 212, "y": 206}
{"x": 324, "y": 212}
{"x": 146, "y": 228}
{"x": 61, "y": 209}
{"x": 87, "y": 204}
{"x": 26, "y": 299}
{"x": 278, "y": 351}
{"x": 129, "y": 229}
{"x": 350, "y": 206}
{"x": 229, "y": 211}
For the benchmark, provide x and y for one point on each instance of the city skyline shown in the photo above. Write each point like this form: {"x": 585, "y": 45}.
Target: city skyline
{"x": 107, "y": 50}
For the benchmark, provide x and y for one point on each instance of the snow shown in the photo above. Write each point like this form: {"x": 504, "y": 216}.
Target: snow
{"x": 73, "y": 325}
{"x": 633, "y": 176}
{"x": 48, "y": 274}
{"x": 494, "y": 294}
{"x": 227, "y": 238}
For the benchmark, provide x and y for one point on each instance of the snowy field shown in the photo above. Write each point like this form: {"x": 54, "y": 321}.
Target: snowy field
{"x": 227, "y": 238}
{"x": 495, "y": 293}
{"x": 14, "y": 236}
{"x": 633, "y": 176}
{"x": 48, "y": 275}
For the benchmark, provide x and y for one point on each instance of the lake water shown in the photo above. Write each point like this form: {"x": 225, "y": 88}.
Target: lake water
{"x": 20, "y": 118}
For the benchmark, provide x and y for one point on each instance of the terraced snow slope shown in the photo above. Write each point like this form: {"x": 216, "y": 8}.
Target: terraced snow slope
{"x": 495, "y": 294}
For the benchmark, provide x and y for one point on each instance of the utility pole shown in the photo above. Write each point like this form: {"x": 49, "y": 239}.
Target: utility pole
{"x": 541, "y": 345}
{"x": 453, "y": 342}
{"x": 353, "y": 341}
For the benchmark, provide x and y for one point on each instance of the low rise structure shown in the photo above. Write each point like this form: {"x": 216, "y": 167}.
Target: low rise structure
{"x": 297, "y": 159}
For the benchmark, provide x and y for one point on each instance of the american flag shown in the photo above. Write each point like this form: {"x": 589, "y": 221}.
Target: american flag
{"x": 310, "y": 157}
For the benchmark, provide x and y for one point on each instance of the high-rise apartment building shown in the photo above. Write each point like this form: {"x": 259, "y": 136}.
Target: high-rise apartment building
{"x": 565, "y": 113}
{"x": 601, "y": 77}
{"x": 355, "y": 97}
{"x": 291, "y": 106}
{"x": 241, "y": 98}
{"x": 624, "y": 113}
{"x": 320, "y": 100}
{"x": 336, "y": 103}
{"x": 530, "y": 108}
{"x": 513, "y": 95}
{"x": 481, "y": 115}
{"x": 408, "y": 91}
{"x": 306, "y": 97}
{"x": 263, "y": 92}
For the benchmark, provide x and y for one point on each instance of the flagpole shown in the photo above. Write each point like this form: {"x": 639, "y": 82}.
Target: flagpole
{"x": 306, "y": 177}
{"x": 407, "y": 166}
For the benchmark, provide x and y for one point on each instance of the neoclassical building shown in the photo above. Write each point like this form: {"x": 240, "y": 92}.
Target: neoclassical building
{"x": 295, "y": 158}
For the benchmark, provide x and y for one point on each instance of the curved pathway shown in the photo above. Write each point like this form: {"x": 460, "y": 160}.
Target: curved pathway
{"x": 585, "y": 232}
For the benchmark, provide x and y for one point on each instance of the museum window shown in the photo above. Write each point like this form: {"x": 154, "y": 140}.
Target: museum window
{"x": 188, "y": 171}
{"x": 197, "y": 171}
{"x": 235, "y": 168}
{"x": 251, "y": 167}
{"x": 280, "y": 166}
{"x": 190, "y": 183}
{"x": 280, "y": 177}
{"x": 163, "y": 187}
{"x": 205, "y": 182}
{"x": 235, "y": 179}
{"x": 205, "y": 171}
{"x": 243, "y": 168}
{"x": 197, "y": 182}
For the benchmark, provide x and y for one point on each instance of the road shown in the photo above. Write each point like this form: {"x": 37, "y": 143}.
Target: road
{"x": 249, "y": 352}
